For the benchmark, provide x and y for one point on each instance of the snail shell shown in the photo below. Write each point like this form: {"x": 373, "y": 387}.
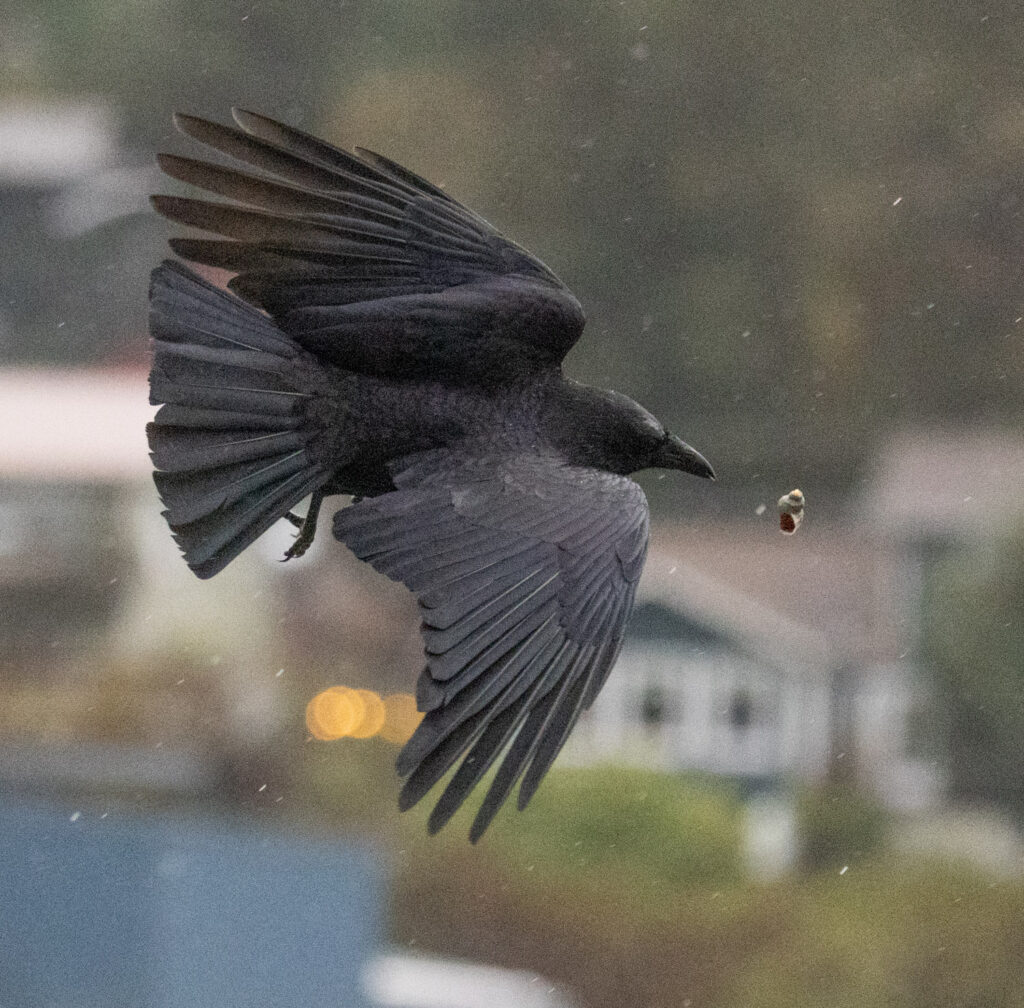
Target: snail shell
{"x": 791, "y": 511}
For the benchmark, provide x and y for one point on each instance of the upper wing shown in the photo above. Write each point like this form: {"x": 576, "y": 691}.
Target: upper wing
{"x": 364, "y": 263}
{"x": 525, "y": 571}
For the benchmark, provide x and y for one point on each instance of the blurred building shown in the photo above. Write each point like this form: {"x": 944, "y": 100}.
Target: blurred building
{"x": 936, "y": 487}
{"x": 769, "y": 658}
{"x": 72, "y": 461}
{"x": 174, "y": 912}
{"x": 938, "y": 491}
{"x": 712, "y": 680}
{"x": 92, "y": 586}
{"x": 45, "y": 150}
{"x": 765, "y": 657}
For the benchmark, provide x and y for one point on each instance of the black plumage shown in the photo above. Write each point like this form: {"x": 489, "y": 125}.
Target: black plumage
{"x": 383, "y": 341}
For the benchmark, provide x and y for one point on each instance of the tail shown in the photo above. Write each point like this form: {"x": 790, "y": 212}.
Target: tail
{"x": 228, "y": 441}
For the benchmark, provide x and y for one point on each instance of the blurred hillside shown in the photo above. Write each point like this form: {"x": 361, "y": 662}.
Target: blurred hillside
{"x": 792, "y": 225}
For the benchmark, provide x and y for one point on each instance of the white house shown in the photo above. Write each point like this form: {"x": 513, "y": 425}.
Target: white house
{"x": 711, "y": 680}
{"x": 768, "y": 658}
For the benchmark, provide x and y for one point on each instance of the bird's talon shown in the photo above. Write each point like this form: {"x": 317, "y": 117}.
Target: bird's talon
{"x": 297, "y": 549}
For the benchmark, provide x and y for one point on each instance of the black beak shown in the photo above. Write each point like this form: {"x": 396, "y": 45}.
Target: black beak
{"x": 675, "y": 453}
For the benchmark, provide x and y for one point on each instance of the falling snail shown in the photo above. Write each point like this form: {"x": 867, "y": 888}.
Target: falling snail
{"x": 791, "y": 511}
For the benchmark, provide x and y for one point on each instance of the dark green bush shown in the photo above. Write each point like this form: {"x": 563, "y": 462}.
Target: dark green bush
{"x": 665, "y": 828}
{"x": 838, "y": 825}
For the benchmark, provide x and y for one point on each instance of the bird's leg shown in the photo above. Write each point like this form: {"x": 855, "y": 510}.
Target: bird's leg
{"x": 306, "y": 526}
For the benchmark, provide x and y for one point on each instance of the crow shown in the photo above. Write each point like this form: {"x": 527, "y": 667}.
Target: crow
{"x": 380, "y": 340}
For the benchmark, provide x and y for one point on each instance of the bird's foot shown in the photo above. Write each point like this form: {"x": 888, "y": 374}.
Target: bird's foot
{"x": 306, "y": 527}
{"x": 299, "y": 547}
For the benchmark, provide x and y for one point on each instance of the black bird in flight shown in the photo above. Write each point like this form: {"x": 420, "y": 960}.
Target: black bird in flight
{"x": 383, "y": 341}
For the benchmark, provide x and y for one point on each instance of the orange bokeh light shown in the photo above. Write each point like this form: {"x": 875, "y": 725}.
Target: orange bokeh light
{"x": 401, "y": 718}
{"x": 333, "y": 713}
{"x": 373, "y": 716}
{"x": 340, "y": 712}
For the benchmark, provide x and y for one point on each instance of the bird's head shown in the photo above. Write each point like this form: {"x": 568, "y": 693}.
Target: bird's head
{"x": 634, "y": 439}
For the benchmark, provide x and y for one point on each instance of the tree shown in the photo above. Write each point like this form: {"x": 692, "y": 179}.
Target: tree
{"x": 974, "y": 643}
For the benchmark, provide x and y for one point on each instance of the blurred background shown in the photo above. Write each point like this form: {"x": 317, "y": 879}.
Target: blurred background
{"x": 796, "y": 228}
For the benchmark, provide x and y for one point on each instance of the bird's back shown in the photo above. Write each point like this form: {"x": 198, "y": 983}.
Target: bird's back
{"x": 364, "y": 424}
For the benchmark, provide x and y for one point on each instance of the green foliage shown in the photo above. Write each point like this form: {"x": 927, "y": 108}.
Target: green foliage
{"x": 838, "y": 825}
{"x": 606, "y": 827}
{"x": 626, "y": 887}
{"x": 974, "y": 643}
{"x": 917, "y": 935}
{"x": 593, "y": 887}
{"x": 635, "y": 825}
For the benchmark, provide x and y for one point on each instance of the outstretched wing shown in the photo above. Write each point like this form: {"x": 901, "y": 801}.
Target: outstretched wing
{"x": 525, "y": 571}
{"x": 364, "y": 263}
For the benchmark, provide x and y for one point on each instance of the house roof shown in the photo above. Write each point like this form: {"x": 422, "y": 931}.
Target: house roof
{"x": 751, "y": 623}
{"x": 947, "y": 483}
{"x": 828, "y": 589}
{"x": 74, "y": 425}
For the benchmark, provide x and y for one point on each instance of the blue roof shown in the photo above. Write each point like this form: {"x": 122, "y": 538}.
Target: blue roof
{"x": 172, "y": 913}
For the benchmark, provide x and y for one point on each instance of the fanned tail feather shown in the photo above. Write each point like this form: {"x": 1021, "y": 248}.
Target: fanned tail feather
{"x": 228, "y": 441}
